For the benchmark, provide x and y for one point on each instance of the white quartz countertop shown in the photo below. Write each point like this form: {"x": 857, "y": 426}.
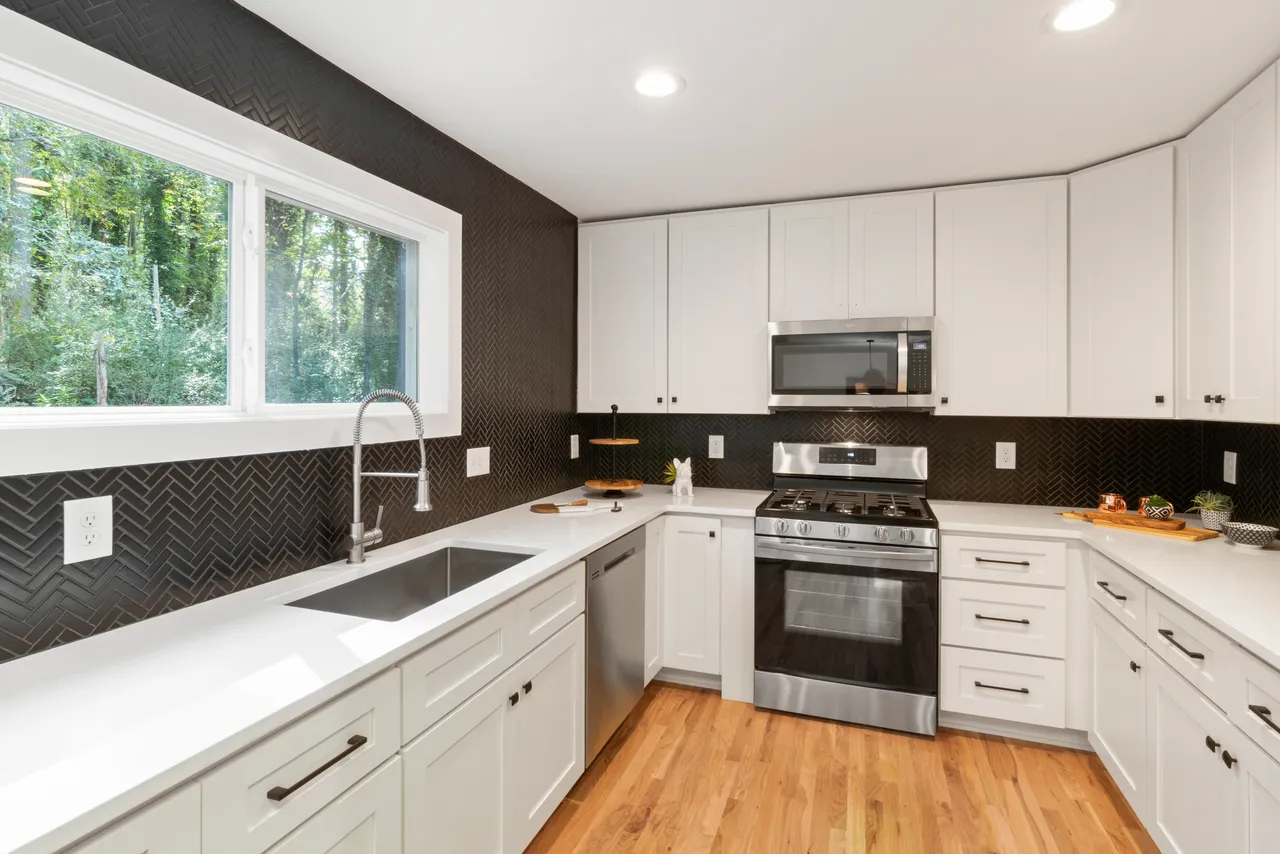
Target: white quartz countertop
{"x": 1235, "y": 590}
{"x": 92, "y": 730}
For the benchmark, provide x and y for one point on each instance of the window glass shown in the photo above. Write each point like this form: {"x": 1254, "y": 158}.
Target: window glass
{"x": 113, "y": 273}
{"x": 339, "y": 317}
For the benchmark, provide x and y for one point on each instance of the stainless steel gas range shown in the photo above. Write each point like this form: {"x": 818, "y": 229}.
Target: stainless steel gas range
{"x": 846, "y": 585}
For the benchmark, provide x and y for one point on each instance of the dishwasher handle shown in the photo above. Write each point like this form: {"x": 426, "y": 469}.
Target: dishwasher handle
{"x": 629, "y": 553}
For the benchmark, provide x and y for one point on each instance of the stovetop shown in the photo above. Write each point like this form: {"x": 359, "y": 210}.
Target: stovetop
{"x": 848, "y": 505}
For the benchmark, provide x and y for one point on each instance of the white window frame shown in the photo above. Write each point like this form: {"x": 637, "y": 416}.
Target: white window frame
{"x": 58, "y": 78}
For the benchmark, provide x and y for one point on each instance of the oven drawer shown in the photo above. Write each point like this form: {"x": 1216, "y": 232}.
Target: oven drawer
{"x": 1035, "y": 562}
{"x": 1004, "y": 617}
{"x": 1199, "y": 652}
{"x": 1118, "y": 591}
{"x": 1003, "y": 686}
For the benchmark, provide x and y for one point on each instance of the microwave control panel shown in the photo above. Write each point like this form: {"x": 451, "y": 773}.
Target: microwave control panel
{"x": 919, "y": 363}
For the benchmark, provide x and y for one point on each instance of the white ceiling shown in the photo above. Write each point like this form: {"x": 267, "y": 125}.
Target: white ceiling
{"x": 787, "y": 99}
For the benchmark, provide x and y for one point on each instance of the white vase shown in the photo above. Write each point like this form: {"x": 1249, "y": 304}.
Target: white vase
{"x": 1215, "y": 519}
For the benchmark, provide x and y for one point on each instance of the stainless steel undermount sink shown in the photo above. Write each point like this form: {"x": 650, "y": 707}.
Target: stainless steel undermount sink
{"x": 398, "y": 591}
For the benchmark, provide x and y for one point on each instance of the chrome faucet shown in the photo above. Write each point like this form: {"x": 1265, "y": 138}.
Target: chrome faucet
{"x": 360, "y": 538}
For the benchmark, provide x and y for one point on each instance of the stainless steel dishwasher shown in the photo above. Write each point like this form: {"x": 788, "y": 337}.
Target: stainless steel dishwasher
{"x": 615, "y": 636}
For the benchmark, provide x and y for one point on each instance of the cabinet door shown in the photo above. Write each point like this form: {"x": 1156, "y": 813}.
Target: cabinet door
{"x": 1002, "y": 299}
{"x": 1227, "y": 273}
{"x": 170, "y": 826}
{"x": 366, "y": 819}
{"x": 809, "y": 261}
{"x": 546, "y": 750}
{"x": 719, "y": 313}
{"x": 455, "y": 779}
{"x": 622, "y": 316}
{"x": 1194, "y": 799}
{"x": 1260, "y": 801}
{"x": 1118, "y": 727}
{"x": 891, "y": 256}
{"x": 653, "y": 539}
{"x": 691, "y": 594}
{"x": 1122, "y": 288}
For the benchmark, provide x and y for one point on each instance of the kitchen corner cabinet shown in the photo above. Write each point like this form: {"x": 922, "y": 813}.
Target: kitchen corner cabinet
{"x": 1001, "y": 327}
{"x": 1122, "y": 356}
{"x": 718, "y": 313}
{"x": 1226, "y": 305}
{"x": 622, "y": 316}
{"x": 1119, "y": 730}
{"x": 653, "y": 546}
{"x": 169, "y": 826}
{"x": 691, "y": 594}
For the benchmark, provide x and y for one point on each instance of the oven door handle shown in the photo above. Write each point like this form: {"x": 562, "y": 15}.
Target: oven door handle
{"x": 924, "y": 560}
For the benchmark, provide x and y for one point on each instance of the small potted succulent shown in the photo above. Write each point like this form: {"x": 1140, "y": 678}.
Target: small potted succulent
{"x": 1156, "y": 507}
{"x": 669, "y": 473}
{"x": 1215, "y": 509}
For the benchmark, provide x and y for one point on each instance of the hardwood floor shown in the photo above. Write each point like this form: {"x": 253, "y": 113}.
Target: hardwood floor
{"x": 690, "y": 773}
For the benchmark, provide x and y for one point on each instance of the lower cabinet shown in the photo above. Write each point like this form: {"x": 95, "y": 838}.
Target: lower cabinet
{"x": 366, "y": 819}
{"x": 1260, "y": 778}
{"x": 485, "y": 778}
{"x": 169, "y": 826}
{"x": 1119, "y": 732}
{"x": 691, "y": 594}
{"x": 653, "y": 540}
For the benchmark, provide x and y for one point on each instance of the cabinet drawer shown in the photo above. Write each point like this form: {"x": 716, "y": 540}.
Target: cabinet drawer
{"x": 1255, "y": 700}
{"x": 1027, "y": 620}
{"x": 438, "y": 679}
{"x": 1119, "y": 592}
{"x": 365, "y": 819}
{"x": 169, "y": 826}
{"x": 1003, "y": 686}
{"x": 254, "y": 799}
{"x": 1043, "y": 564}
{"x": 1202, "y": 654}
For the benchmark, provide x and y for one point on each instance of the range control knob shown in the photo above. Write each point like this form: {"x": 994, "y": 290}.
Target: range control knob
{"x": 906, "y": 535}
{"x": 842, "y": 531}
{"x": 882, "y": 533}
{"x": 780, "y": 526}
{"x": 804, "y": 527}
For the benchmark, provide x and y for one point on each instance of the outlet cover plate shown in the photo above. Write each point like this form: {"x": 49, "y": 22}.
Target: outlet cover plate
{"x": 86, "y": 529}
{"x": 573, "y": 446}
{"x": 477, "y": 461}
{"x": 1006, "y": 455}
{"x": 1229, "y": 466}
{"x": 715, "y": 447}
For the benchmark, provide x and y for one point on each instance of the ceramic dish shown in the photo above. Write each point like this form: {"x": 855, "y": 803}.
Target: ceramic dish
{"x": 1250, "y": 536}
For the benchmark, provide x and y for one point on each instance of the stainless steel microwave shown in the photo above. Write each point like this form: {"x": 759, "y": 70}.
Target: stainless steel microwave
{"x": 879, "y": 363}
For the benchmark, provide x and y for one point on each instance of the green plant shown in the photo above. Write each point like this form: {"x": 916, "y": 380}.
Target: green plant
{"x": 1213, "y": 501}
{"x": 1157, "y": 501}
{"x": 669, "y": 473}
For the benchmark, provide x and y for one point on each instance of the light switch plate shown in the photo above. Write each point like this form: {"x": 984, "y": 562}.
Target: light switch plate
{"x": 573, "y": 446}
{"x": 1229, "y": 466}
{"x": 1006, "y": 455}
{"x": 477, "y": 461}
{"x": 715, "y": 447}
{"x": 86, "y": 529}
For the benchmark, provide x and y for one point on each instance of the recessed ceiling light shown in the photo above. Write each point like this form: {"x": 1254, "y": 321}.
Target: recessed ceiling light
{"x": 1083, "y": 14}
{"x": 659, "y": 84}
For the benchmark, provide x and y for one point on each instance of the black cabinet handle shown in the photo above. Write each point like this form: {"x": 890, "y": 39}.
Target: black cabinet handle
{"x": 528, "y": 686}
{"x": 1159, "y": 398}
{"x": 1167, "y": 634}
{"x": 514, "y": 698}
{"x": 945, "y": 401}
{"x": 279, "y": 793}
{"x": 1135, "y": 666}
{"x": 1211, "y": 744}
{"x": 1000, "y": 688}
{"x": 1106, "y": 586}
{"x": 675, "y": 399}
{"x": 1263, "y": 714}
{"x": 1002, "y": 620}
{"x": 711, "y": 534}
{"x": 1227, "y": 759}
{"x": 1219, "y": 399}
{"x": 1208, "y": 398}
{"x": 1002, "y": 562}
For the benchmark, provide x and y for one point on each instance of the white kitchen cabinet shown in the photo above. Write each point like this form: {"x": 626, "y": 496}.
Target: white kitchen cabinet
{"x": 718, "y": 311}
{"x": 366, "y": 819}
{"x": 1001, "y": 324}
{"x": 653, "y": 540}
{"x": 809, "y": 261}
{"x": 1118, "y": 728}
{"x": 169, "y": 826}
{"x": 1121, "y": 346}
{"x": 1194, "y": 802}
{"x": 691, "y": 594}
{"x": 622, "y": 316}
{"x": 1259, "y": 830}
{"x": 1226, "y": 306}
{"x": 891, "y": 255}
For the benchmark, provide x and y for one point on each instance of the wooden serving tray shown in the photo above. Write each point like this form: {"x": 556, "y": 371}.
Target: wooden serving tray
{"x": 1133, "y": 520}
{"x": 623, "y": 484}
{"x": 614, "y": 441}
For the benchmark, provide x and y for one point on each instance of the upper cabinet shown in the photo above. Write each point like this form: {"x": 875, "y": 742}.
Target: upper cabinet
{"x": 718, "y": 310}
{"x": 1001, "y": 323}
{"x": 1122, "y": 288}
{"x": 865, "y": 257}
{"x": 622, "y": 316}
{"x": 1226, "y": 284}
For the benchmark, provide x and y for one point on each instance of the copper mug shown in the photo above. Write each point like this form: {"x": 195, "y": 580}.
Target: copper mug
{"x": 1112, "y": 502}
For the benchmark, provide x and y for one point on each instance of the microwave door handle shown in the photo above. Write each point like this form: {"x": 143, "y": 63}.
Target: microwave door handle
{"x": 904, "y": 355}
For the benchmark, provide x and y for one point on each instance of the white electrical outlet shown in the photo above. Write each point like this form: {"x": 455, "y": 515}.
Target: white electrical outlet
{"x": 715, "y": 447}
{"x": 477, "y": 461}
{"x": 1229, "y": 466}
{"x": 573, "y": 446}
{"x": 1006, "y": 455}
{"x": 86, "y": 529}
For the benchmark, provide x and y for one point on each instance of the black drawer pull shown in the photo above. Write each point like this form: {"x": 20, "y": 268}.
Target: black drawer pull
{"x": 528, "y": 686}
{"x": 1106, "y": 587}
{"x": 1263, "y": 714}
{"x": 1002, "y": 620}
{"x": 1227, "y": 759}
{"x": 279, "y": 793}
{"x": 1000, "y": 688}
{"x": 1002, "y": 562}
{"x": 1167, "y": 634}
{"x": 1135, "y": 666}
{"x": 514, "y": 698}
{"x": 1210, "y": 743}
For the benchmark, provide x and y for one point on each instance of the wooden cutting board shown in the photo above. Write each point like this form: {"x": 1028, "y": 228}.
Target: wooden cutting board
{"x": 1130, "y": 519}
{"x": 1190, "y": 535}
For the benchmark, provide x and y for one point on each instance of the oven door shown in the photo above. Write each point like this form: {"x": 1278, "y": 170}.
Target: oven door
{"x": 838, "y": 612}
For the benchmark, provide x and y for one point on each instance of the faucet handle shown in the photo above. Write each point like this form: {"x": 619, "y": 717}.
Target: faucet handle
{"x": 377, "y": 525}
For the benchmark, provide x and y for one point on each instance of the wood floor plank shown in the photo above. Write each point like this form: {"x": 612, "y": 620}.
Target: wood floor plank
{"x": 689, "y": 773}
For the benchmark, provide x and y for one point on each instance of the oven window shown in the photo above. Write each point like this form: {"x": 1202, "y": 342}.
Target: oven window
{"x": 840, "y": 363}
{"x": 868, "y": 609}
